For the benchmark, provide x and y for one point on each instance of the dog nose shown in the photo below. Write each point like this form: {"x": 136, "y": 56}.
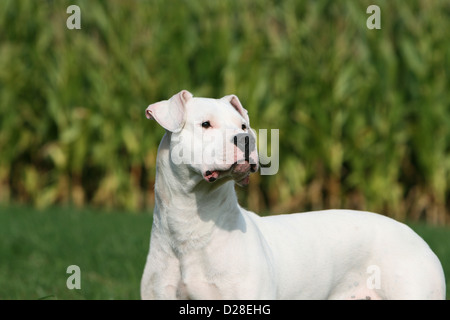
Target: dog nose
{"x": 245, "y": 142}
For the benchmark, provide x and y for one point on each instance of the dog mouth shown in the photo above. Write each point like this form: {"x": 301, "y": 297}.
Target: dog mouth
{"x": 239, "y": 172}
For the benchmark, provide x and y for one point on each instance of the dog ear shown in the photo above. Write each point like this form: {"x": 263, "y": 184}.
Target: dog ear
{"x": 170, "y": 114}
{"x": 234, "y": 101}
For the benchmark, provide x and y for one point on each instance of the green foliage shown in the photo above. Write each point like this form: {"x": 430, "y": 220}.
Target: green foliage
{"x": 364, "y": 115}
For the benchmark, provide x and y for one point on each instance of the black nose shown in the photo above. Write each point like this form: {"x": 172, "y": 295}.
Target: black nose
{"x": 245, "y": 142}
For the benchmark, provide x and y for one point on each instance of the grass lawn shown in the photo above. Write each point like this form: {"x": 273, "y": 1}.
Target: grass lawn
{"x": 36, "y": 247}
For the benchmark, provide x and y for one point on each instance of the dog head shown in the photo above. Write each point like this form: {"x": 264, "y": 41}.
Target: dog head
{"x": 211, "y": 136}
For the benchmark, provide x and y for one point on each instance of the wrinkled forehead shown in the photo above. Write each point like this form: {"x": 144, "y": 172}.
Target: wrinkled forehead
{"x": 204, "y": 108}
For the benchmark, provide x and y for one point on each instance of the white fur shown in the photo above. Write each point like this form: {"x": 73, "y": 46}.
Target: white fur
{"x": 205, "y": 246}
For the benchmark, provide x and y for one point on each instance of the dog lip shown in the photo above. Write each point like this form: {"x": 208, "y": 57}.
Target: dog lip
{"x": 215, "y": 174}
{"x": 211, "y": 176}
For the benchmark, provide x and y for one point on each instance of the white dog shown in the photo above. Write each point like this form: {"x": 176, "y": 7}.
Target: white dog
{"x": 205, "y": 246}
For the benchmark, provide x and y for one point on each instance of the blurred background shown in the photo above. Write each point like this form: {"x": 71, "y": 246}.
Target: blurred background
{"x": 363, "y": 115}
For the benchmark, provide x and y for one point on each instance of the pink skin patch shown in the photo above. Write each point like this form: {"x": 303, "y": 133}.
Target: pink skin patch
{"x": 238, "y": 171}
{"x": 241, "y": 168}
{"x": 244, "y": 181}
{"x": 211, "y": 176}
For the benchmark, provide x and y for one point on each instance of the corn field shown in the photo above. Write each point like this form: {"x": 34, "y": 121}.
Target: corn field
{"x": 363, "y": 115}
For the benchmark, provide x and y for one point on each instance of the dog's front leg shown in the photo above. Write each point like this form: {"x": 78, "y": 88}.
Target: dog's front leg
{"x": 162, "y": 276}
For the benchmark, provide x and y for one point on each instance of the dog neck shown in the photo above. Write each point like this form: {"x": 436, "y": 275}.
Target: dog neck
{"x": 188, "y": 209}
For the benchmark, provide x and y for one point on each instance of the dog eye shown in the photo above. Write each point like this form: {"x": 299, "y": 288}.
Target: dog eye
{"x": 206, "y": 124}
{"x": 244, "y": 126}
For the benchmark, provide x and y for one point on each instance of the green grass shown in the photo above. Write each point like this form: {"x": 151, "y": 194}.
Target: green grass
{"x": 438, "y": 238}
{"x": 36, "y": 247}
